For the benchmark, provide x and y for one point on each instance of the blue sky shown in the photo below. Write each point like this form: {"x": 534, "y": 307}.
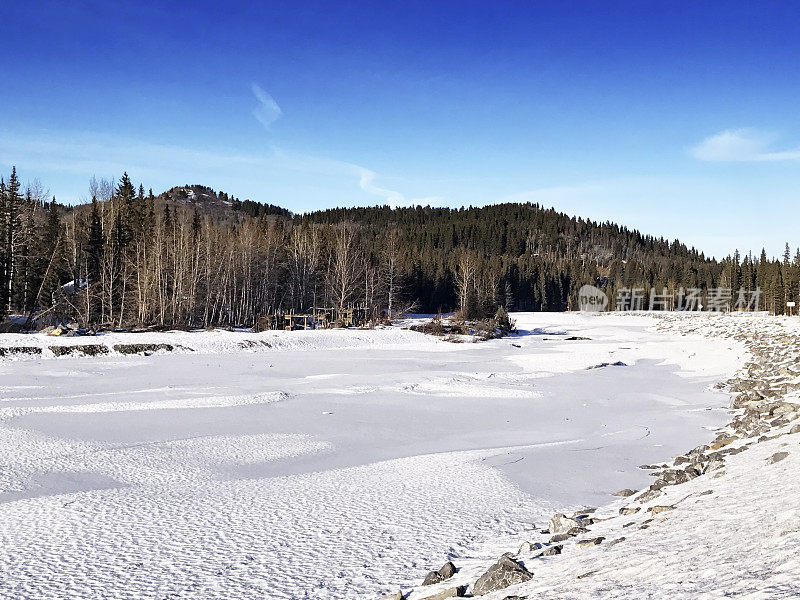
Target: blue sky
{"x": 677, "y": 118}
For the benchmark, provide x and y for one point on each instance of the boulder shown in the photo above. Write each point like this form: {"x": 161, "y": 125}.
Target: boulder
{"x": 629, "y": 510}
{"x": 432, "y": 578}
{"x": 783, "y": 409}
{"x": 652, "y": 492}
{"x": 675, "y": 477}
{"x": 577, "y": 531}
{"x": 398, "y": 595}
{"x": 142, "y": 348}
{"x": 447, "y": 570}
{"x": 552, "y": 551}
{"x": 777, "y": 457}
{"x": 79, "y": 350}
{"x": 714, "y": 465}
{"x": 561, "y": 523}
{"x": 616, "y": 541}
{"x": 589, "y": 543}
{"x": 17, "y": 350}
{"x": 503, "y": 573}
{"x": 528, "y": 547}
{"x": 795, "y": 429}
{"x": 723, "y": 441}
{"x": 660, "y": 508}
{"x": 625, "y": 493}
{"x": 454, "y": 592}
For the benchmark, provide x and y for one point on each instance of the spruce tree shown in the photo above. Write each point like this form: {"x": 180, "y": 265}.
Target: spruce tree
{"x": 11, "y": 228}
{"x": 95, "y": 243}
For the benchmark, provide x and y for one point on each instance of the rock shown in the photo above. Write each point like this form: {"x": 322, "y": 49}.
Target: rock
{"x": 629, "y": 511}
{"x": 559, "y": 538}
{"x": 653, "y": 492}
{"x": 17, "y": 350}
{"x": 398, "y": 595}
{"x": 447, "y": 570}
{"x": 795, "y": 429}
{"x": 561, "y": 523}
{"x": 577, "y": 531}
{"x": 723, "y": 441}
{"x": 528, "y": 547}
{"x": 589, "y": 543}
{"x": 79, "y": 350}
{"x": 777, "y": 457}
{"x": 503, "y": 573}
{"x": 625, "y": 493}
{"x": 455, "y": 592}
{"x": 675, "y": 477}
{"x": 140, "y": 348}
{"x": 616, "y": 541}
{"x": 783, "y": 409}
{"x": 552, "y": 551}
{"x": 714, "y": 465}
{"x": 660, "y": 508}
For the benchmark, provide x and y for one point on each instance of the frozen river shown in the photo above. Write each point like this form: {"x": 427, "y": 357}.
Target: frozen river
{"x": 325, "y": 464}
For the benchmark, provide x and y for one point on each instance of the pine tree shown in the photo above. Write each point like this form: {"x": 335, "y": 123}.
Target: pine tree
{"x": 95, "y": 243}
{"x": 10, "y": 230}
{"x": 3, "y": 230}
{"x": 50, "y": 255}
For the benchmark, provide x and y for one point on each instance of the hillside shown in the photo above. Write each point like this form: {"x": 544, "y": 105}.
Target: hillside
{"x": 217, "y": 204}
{"x": 197, "y": 257}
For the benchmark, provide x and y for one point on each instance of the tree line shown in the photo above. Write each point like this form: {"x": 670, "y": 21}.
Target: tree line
{"x": 129, "y": 258}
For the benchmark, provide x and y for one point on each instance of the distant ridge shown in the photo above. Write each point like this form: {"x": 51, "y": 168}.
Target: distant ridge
{"x": 218, "y": 204}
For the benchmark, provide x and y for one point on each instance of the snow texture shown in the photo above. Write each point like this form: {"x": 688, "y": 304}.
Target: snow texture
{"x": 345, "y": 464}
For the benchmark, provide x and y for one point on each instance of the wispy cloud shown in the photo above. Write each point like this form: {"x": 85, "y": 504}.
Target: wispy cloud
{"x": 393, "y": 198}
{"x": 367, "y": 183}
{"x": 79, "y": 155}
{"x": 742, "y": 145}
{"x": 366, "y": 177}
{"x": 267, "y": 111}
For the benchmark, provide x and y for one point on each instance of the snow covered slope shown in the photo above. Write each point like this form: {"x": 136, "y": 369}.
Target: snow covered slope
{"x": 730, "y": 531}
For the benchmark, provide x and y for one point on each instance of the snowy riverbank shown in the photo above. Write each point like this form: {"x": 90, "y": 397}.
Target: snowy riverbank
{"x": 718, "y": 521}
{"x": 328, "y": 464}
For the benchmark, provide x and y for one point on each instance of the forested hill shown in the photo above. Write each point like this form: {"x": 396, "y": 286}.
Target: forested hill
{"x": 541, "y": 255}
{"x": 195, "y": 256}
{"x": 217, "y": 204}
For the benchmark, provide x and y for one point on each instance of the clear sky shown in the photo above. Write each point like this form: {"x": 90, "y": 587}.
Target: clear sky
{"x": 681, "y": 119}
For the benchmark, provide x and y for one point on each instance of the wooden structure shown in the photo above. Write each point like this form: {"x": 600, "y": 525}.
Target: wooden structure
{"x": 316, "y": 318}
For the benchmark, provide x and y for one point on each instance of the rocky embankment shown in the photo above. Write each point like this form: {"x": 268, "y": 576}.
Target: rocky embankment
{"x": 719, "y": 520}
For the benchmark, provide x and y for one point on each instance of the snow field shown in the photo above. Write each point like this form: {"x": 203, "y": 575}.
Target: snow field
{"x": 325, "y": 464}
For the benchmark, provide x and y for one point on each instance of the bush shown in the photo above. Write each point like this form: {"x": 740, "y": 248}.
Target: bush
{"x": 502, "y": 321}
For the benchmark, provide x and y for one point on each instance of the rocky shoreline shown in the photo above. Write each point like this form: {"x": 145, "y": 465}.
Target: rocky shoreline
{"x": 765, "y": 409}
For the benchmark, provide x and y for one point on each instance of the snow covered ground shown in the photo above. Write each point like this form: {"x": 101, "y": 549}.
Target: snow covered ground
{"x": 327, "y": 464}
